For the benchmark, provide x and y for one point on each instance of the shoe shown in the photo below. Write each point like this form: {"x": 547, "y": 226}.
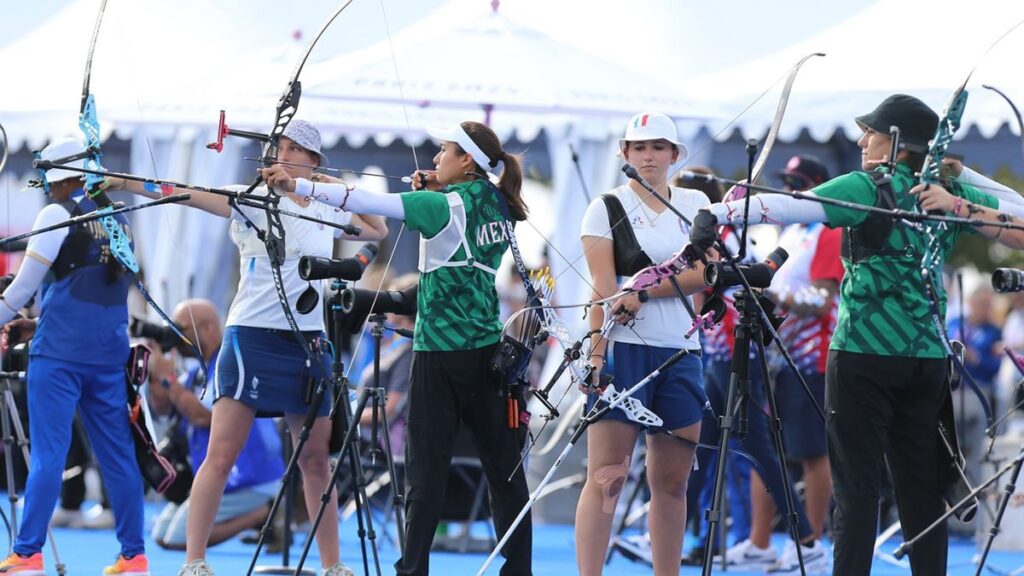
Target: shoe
{"x": 102, "y": 520}
{"x": 64, "y": 518}
{"x": 816, "y": 560}
{"x": 747, "y": 557}
{"x": 636, "y": 548}
{"x": 137, "y": 565}
{"x": 196, "y": 568}
{"x": 338, "y": 569}
{"x": 24, "y": 565}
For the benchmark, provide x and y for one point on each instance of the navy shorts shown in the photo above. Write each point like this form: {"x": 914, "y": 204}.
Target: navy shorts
{"x": 266, "y": 369}
{"x": 802, "y": 427}
{"x": 676, "y": 395}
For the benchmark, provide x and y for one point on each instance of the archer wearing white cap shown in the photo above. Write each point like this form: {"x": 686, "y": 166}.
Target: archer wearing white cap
{"x": 269, "y": 371}
{"x": 464, "y": 225}
{"x": 648, "y": 332}
{"x": 79, "y": 349}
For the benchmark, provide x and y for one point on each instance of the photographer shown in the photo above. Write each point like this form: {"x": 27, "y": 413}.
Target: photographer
{"x": 78, "y": 358}
{"x": 254, "y": 479}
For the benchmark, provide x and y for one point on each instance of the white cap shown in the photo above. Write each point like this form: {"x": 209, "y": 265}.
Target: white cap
{"x": 62, "y": 148}
{"x": 459, "y": 136}
{"x": 654, "y": 126}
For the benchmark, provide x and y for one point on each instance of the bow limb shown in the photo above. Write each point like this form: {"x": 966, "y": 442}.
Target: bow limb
{"x": 274, "y": 235}
{"x": 120, "y": 243}
{"x": 1016, "y": 113}
{"x": 780, "y": 112}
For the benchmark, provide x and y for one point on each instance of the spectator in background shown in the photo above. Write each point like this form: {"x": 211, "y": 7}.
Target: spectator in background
{"x": 983, "y": 349}
{"x": 255, "y": 477}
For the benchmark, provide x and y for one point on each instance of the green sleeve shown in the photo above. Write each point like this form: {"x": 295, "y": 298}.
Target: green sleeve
{"x": 855, "y": 187}
{"x": 426, "y": 212}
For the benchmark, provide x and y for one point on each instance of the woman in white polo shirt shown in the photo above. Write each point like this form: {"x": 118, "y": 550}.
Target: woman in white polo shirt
{"x": 262, "y": 368}
{"x": 648, "y": 331}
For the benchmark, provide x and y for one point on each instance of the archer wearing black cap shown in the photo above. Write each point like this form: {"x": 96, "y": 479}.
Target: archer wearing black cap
{"x": 886, "y": 368}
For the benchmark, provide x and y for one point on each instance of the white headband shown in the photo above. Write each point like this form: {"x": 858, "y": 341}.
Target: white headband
{"x": 460, "y": 137}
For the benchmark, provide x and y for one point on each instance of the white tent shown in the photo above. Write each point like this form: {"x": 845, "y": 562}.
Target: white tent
{"x": 921, "y": 48}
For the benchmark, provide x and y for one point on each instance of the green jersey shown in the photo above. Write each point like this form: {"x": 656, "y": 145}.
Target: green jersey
{"x": 457, "y": 301}
{"x": 883, "y": 307}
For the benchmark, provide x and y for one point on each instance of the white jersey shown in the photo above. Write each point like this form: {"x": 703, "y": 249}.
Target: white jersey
{"x": 256, "y": 303}
{"x": 661, "y": 321}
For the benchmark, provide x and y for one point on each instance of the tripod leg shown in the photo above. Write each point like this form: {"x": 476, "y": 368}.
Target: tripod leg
{"x": 289, "y": 472}
{"x": 379, "y": 404}
{"x": 12, "y": 408}
{"x": 739, "y": 381}
{"x": 348, "y": 446}
{"x": 780, "y": 451}
{"x": 1004, "y": 501}
{"x": 12, "y": 492}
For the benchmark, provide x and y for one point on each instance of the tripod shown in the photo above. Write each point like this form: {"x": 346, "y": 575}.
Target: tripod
{"x": 350, "y": 444}
{"x": 380, "y": 422}
{"x": 338, "y": 301}
{"x": 9, "y": 419}
{"x": 748, "y": 327}
{"x": 286, "y": 535}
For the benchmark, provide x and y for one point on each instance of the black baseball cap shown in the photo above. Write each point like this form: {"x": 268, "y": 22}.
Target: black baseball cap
{"x": 803, "y": 171}
{"x": 916, "y": 121}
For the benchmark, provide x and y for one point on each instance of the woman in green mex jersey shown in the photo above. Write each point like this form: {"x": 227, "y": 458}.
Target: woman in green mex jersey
{"x": 463, "y": 235}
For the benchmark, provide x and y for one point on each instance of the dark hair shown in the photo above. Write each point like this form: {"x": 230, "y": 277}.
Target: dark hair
{"x": 713, "y": 190}
{"x": 511, "y": 182}
{"x": 915, "y": 160}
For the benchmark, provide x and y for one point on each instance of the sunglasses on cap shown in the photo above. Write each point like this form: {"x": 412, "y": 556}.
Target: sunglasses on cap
{"x": 797, "y": 182}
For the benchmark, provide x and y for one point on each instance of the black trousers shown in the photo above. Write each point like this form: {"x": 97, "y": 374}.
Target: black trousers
{"x": 885, "y": 407}
{"x": 450, "y": 389}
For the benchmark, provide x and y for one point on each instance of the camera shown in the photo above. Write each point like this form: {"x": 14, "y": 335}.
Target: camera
{"x": 1008, "y": 280}
{"x": 721, "y": 275}
{"x": 350, "y": 269}
{"x": 164, "y": 336}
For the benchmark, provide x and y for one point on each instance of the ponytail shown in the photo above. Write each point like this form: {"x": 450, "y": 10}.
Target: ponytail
{"x": 511, "y": 182}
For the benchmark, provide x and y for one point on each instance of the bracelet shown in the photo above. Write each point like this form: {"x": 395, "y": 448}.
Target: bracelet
{"x": 958, "y": 205}
{"x": 348, "y": 190}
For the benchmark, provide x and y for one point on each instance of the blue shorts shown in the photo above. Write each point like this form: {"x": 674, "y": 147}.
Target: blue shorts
{"x": 802, "y": 428}
{"x": 266, "y": 369}
{"x": 676, "y": 395}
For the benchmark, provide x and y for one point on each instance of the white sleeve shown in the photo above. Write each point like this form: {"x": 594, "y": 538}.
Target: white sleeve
{"x": 354, "y": 199}
{"x": 25, "y": 284}
{"x": 1004, "y": 194}
{"x": 595, "y": 220}
{"x": 771, "y": 209}
{"x": 45, "y": 247}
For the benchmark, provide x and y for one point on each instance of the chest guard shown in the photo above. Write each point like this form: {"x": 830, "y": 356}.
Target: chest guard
{"x": 439, "y": 251}
{"x": 872, "y": 237}
{"x": 82, "y": 248}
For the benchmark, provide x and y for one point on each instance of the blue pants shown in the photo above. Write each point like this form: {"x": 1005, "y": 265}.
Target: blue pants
{"x": 55, "y": 389}
{"x": 758, "y": 442}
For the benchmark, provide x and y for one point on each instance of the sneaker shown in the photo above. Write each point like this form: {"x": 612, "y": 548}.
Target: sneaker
{"x": 24, "y": 565}
{"x": 137, "y": 565}
{"x": 196, "y": 568}
{"x": 102, "y": 520}
{"x": 816, "y": 559}
{"x": 338, "y": 569}
{"x": 747, "y": 557}
{"x": 637, "y": 548}
{"x": 64, "y": 518}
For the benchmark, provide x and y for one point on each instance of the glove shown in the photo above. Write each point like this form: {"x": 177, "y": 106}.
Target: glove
{"x": 702, "y": 234}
